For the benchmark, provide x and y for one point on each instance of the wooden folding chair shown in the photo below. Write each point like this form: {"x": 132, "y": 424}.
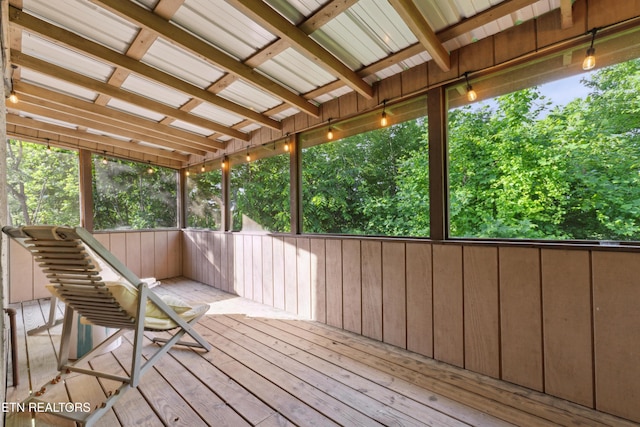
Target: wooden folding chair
{"x": 76, "y": 265}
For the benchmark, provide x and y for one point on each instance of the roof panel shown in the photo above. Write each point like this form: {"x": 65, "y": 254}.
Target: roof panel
{"x": 86, "y": 19}
{"x": 65, "y": 58}
{"x": 54, "y": 84}
{"x": 179, "y": 124}
{"x": 182, "y": 64}
{"x": 211, "y": 112}
{"x": 127, "y": 107}
{"x": 249, "y": 96}
{"x": 223, "y": 26}
{"x": 154, "y": 91}
{"x": 294, "y": 70}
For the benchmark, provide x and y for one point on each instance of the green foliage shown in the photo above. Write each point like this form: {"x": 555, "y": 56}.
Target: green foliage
{"x": 204, "y": 195}
{"x": 126, "y": 195}
{"x": 42, "y": 187}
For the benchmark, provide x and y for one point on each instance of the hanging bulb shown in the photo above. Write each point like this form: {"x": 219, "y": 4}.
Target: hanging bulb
{"x": 104, "y": 159}
{"x": 224, "y": 163}
{"x": 48, "y": 148}
{"x": 590, "y": 60}
{"x": 202, "y": 168}
{"x": 286, "y": 146}
{"x": 248, "y": 157}
{"x": 150, "y": 169}
{"x": 187, "y": 173}
{"x": 13, "y": 98}
{"x": 330, "y": 134}
{"x": 471, "y": 94}
{"x": 383, "y": 119}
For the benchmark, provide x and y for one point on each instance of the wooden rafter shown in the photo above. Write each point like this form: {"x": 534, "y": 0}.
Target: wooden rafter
{"x": 268, "y": 18}
{"x": 566, "y": 14}
{"x": 146, "y": 19}
{"x": 111, "y": 57}
{"x": 104, "y": 88}
{"x": 86, "y": 136}
{"x": 418, "y": 24}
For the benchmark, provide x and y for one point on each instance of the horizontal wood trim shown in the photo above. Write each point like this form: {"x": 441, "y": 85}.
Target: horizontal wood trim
{"x": 521, "y": 314}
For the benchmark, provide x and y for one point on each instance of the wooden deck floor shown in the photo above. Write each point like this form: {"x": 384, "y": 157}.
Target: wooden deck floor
{"x": 269, "y": 369}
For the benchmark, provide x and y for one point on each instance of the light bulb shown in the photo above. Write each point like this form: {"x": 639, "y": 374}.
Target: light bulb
{"x": 383, "y": 120}
{"x": 13, "y": 98}
{"x": 286, "y": 146}
{"x": 330, "y": 134}
{"x": 590, "y": 60}
{"x": 471, "y": 94}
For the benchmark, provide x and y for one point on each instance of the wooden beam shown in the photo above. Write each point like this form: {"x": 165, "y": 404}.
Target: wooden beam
{"x": 102, "y": 53}
{"x": 85, "y": 136}
{"x": 566, "y": 14}
{"x": 54, "y": 111}
{"x": 118, "y": 118}
{"x": 146, "y": 19}
{"x": 489, "y": 15}
{"x": 268, "y": 18}
{"x": 418, "y": 24}
{"x": 104, "y": 88}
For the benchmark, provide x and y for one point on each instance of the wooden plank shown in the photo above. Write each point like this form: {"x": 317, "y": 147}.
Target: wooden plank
{"x": 514, "y": 42}
{"x": 616, "y": 298}
{"x": 278, "y": 273}
{"x": 318, "y": 280}
{"x": 226, "y": 250}
{"x": 311, "y": 370}
{"x": 351, "y": 286}
{"x": 148, "y": 260}
{"x": 568, "y": 338}
{"x": 118, "y": 246}
{"x": 247, "y": 267}
{"x": 521, "y": 316}
{"x": 419, "y": 299}
{"x": 372, "y": 289}
{"x": 133, "y": 261}
{"x": 290, "y": 275}
{"x": 238, "y": 264}
{"x": 174, "y": 247}
{"x": 481, "y": 310}
{"x": 334, "y": 282}
{"x": 86, "y": 390}
{"x": 217, "y": 260}
{"x": 304, "y": 277}
{"x": 267, "y": 270}
{"x": 161, "y": 254}
{"x": 394, "y": 294}
{"x": 448, "y": 324}
{"x": 21, "y": 268}
{"x": 256, "y": 267}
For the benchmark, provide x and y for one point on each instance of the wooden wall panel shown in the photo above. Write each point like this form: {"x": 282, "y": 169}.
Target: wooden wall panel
{"x": 566, "y": 302}
{"x": 304, "y": 277}
{"x": 118, "y": 246}
{"x": 217, "y": 259}
{"x": 187, "y": 250}
{"x": 148, "y": 259}
{"x": 226, "y": 268}
{"x": 448, "y": 326}
{"x": 334, "y": 282}
{"x": 278, "y": 273}
{"x": 616, "y": 301}
{"x": 372, "y": 289}
{"x": 134, "y": 254}
{"x": 238, "y": 264}
{"x": 174, "y": 245}
{"x": 257, "y": 264}
{"x": 39, "y": 280}
{"x": 521, "y": 316}
{"x": 481, "y": 310}
{"x": 394, "y": 291}
{"x": 419, "y": 299}
{"x": 351, "y": 286}
{"x": 21, "y": 268}
{"x": 290, "y": 275}
{"x": 318, "y": 281}
{"x": 247, "y": 266}
{"x": 267, "y": 270}
{"x": 161, "y": 254}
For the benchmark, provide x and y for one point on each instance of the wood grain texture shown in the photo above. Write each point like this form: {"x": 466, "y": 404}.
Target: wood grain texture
{"x": 568, "y": 348}
{"x": 318, "y": 280}
{"x": 352, "y": 286}
{"x": 419, "y": 299}
{"x": 394, "y": 294}
{"x": 616, "y": 302}
{"x": 448, "y": 323}
{"x": 290, "y": 275}
{"x": 481, "y": 310}
{"x": 521, "y": 316}
{"x": 372, "y": 289}
{"x": 334, "y": 282}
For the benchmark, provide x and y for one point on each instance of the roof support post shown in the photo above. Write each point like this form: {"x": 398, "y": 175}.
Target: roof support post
{"x": 86, "y": 190}
{"x": 438, "y": 159}
{"x": 295, "y": 183}
{"x": 226, "y": 197}
{"x": 182, "y": 198}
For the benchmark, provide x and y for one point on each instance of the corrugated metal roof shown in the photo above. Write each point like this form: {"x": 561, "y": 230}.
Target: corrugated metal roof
{"x": 262, "y": 92}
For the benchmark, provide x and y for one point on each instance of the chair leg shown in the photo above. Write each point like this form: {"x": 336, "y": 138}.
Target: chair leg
{"x": 67, "y": 324}
{"x": 53, "y": 308}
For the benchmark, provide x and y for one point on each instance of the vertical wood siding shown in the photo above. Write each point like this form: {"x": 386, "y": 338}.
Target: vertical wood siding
{"x": 147, "y": 253}
{"x": 564, "y": 322}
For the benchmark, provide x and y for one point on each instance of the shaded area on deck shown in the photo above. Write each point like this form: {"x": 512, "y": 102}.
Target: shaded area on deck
{"x": 269, "y": 368}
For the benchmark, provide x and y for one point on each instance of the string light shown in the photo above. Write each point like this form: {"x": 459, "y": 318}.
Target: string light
{"x": 590, "y": 60}
{"x": 104, "y": 158}
{"x": 286, "y": 146}
{"x": 224, "y": 163}
{"x": 248, "y": 154}
{"x": 330, "y": 131}
{"x": 13, "y": 98}
{"x": 48, "y": 147}
{"x": 383, "y": 120}
{"x": 150, "y": 169}
{"x": 202, "y": 168}
{"x": 471, "y": 94}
